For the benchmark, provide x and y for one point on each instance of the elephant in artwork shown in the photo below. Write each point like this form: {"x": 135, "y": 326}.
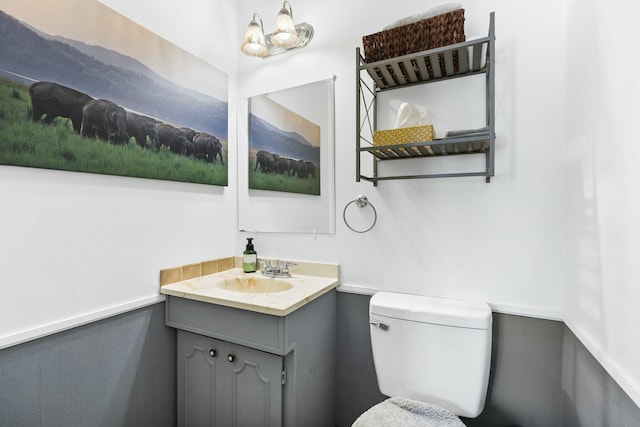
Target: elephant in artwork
{"x": 281, "y": 164}
{"x": 207, "y": 147}
{"x": 50, "y": 100}
{"x": 104, "y": 119}
{"x": 188, "y": 133}
{"x": 311, "y": 169}
{"x": 302, "y": 170}
{"x": 265, "y": 161}
{"x": 174, "y": 140}
{"x": 276, "y": 162}
{"x": 292, "y": 166}
{"x": 140, "y": 127}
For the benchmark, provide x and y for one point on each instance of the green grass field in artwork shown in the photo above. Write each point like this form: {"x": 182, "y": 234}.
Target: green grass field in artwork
{"x": 57, "y": 146}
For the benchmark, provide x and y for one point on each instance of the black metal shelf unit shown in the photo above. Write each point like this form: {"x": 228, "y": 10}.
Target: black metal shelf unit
{"x": 448, "y": 62}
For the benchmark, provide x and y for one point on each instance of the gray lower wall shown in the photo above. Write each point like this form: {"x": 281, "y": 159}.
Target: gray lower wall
{"x": 541, "y": 375}
{"x": 115, "y": 372}
{"x": 526, "y": 374}
{"x": 591, "y": 398}
{"x": 356, "y": 383}
{"x": 121, "y": 372}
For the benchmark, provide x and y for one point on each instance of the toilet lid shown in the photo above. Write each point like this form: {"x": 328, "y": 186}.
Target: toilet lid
{"x": 441, "y": 311}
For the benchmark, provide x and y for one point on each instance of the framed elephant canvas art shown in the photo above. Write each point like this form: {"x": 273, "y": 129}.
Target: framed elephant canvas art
{"x": 77, "y": 96}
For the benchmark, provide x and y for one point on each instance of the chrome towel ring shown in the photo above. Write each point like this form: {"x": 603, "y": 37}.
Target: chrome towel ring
{"x": 361, "y": 202}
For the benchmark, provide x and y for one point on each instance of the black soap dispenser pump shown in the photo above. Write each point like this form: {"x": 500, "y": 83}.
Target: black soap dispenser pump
{"x": 249, "y": 257}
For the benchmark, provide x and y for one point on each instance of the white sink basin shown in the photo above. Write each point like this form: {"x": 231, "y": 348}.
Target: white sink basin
{"x": 255, "y": 284}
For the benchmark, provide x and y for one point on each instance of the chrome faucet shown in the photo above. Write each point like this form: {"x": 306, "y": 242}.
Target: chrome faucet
{"x": 276, "y": 270}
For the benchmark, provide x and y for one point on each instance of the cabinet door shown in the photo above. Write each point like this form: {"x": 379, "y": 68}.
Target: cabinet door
{"x": 227, "y": 385}
{"x": 200, "y": 371}
{"x": 256, "y": 388}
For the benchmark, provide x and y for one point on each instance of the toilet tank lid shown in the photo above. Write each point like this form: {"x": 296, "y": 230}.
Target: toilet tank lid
{"x": 436, "y": 310}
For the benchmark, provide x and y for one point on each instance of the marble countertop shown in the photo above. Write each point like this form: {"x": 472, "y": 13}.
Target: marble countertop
{"x": 210, "y": 288}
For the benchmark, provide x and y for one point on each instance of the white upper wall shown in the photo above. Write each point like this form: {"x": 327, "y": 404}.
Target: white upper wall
{"x": 502, "y": 242}
{"x": 602, "y": 155}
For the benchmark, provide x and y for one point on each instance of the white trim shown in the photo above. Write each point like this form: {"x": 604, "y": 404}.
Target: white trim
{"x": 356, "y": 289}
{"x": 535, "y": 312}
{"x": 497, "y": 308}
{"x": 625, "y": 381}
{"x": 53, "y": 328}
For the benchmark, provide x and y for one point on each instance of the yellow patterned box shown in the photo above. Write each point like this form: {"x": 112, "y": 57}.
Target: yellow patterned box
{"x": 403, "y": 135}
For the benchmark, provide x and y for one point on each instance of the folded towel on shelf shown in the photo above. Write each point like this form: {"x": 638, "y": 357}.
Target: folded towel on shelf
{"x": 401, "y": 412}
{"x": 467, "y": 132}
{"x": 430, "y": 13}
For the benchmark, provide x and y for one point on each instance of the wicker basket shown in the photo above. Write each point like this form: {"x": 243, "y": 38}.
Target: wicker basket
{"x": 441, "y": 30}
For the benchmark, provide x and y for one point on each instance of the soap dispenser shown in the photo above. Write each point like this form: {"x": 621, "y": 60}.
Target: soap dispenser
{"x": 249, "y": 257}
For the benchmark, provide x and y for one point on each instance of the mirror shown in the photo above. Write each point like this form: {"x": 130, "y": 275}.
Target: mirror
{"x": 286, "y": 176}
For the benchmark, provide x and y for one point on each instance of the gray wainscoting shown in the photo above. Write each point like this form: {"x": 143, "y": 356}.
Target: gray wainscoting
{"x": 526, "y": 374}
{"x": 541, "y": 375}
{"x": 121, "y": 372}
{"x": 591, "y": 398}
{"x": 115, "y": 372}
{"x": 356, "y": 383}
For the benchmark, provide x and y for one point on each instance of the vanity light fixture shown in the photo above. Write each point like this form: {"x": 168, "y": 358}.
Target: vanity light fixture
{"x": 254, "y": 42}
{"x": 285, "y": 37}
{"x": 285, "y": 34}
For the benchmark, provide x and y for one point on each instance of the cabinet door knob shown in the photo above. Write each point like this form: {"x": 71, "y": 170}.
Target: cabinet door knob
{"x": 212, "y": 353}
{"x": 231, "y": 358}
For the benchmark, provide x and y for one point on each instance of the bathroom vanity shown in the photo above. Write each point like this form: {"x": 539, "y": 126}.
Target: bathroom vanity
{"x": 259, "y": 358}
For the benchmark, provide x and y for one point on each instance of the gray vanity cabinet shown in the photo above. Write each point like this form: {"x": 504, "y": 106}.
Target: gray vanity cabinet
{"x": 281, "y": 373}
{"x": 223, "y": 384}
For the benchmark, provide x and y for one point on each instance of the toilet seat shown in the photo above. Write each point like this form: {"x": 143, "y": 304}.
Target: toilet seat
{"x": 402, "y": 412}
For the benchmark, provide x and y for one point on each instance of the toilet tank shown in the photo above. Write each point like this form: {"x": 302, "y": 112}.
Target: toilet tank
{"x": 435, "y": 350}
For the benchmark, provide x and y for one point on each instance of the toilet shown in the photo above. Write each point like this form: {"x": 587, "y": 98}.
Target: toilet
{"x": 432, "y": 357}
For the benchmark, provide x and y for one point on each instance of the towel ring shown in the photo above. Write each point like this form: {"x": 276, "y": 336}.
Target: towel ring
{"x": 360, "y": 201}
